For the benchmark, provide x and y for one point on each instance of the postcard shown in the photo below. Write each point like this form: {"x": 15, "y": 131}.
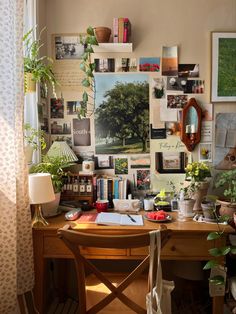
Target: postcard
{"x": 126, "y": 65}
{"x": 170, "y": 61}
{"x": 57, "y": 108}
{"x": 176, "y": 101}
{"x": 206, "y": 131}
{"x": 104, "y": 65}
{"x": 149, "y": 64}
{"x": 72, "y": 107}
{"x": 205, "y": 152}
{"x": 158, "y": 87}
{"x": 81, "y": 132}
{"x": 188, "y": 70}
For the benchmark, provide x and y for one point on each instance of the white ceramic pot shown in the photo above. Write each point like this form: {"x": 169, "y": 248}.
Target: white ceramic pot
{"x": 51, "y": 209}
{"x": 186, "y": 207}
{"x": 199, "y": 195}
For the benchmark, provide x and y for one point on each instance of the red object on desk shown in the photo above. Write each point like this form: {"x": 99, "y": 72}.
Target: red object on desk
{"x": 101, "y": 205}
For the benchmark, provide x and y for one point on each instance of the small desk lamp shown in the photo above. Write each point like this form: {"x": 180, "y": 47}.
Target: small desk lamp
{"x": 62, "y": 149}
{"x": 40, "y": 192}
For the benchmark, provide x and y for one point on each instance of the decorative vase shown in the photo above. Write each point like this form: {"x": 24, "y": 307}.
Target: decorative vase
{"x": 29, "y": 83}
{"x": 199, "y": 195}
{"x": 51, "y": 209}
{"x": 227, "y": 208}
{"x": 186, "y": 207}
{"x": 102, "y": 34}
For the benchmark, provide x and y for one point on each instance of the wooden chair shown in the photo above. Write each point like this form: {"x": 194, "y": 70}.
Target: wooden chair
{"x": 75, "y": 239}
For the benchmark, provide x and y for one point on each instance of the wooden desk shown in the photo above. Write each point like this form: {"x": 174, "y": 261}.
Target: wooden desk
{"x": 188, "y": 242}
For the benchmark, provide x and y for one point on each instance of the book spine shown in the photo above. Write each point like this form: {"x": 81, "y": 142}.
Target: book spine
{"x": 125, "y": 189}
{"x": 94, "y": 182}
{"x": 126, "y": 34}
{"x": 105, "y": 189}
{"x": 101, "y": 189}
{"x": 121, "y": 189}
{"x": 110, "y": 192}
{"x": 115, "y": 30}
{"x": 98, "y": 189}
{"x": 120, "y": 29}
{"x": 116, "y": 188}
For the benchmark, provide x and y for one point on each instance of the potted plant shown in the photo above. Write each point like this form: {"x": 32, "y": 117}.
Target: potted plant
{"x": 160, "y": 202}
{"x": 186, "y": 201}
{"x": 198, "y": 174}
{"x": 56, "y": 167}
{"x": 227, "y": 180}
{"x": 88, "y": 67}
{"x": 34, "y": 139}
{"x": 37, "y": 68}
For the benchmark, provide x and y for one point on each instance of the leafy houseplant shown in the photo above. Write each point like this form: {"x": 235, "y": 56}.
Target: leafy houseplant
{"x": 227, "y": 180}
{"x": 56, "y": 167}
{"x": 31, "y": 136}
{"x": 40, "y": 67}
{"x": 88, "y": 67}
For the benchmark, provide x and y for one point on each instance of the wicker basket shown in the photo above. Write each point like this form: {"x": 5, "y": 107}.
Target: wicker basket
{"x": 102, "y": 34}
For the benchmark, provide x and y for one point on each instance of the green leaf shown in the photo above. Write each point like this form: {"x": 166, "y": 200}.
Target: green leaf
{"x": 85, "y": 56}
{"x": 220, "y": 251}
{"x": 210, "y": 264}
{"x": 217, "y": 280}
{"x": 82, "y": 66}
{"x": 214, "y": 235}
{"x": 89, "y": 49}
{"x": 233, "y": 249}
{"x": 90, "y": 31}
{"x": 85, "y": 97}
{"x": 89, "y": 73}
{"x": 86, "y": 82}
{"x": 91, "y": 40}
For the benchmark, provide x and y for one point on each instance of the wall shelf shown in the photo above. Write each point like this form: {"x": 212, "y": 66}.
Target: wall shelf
{"x": 113, "y": 47}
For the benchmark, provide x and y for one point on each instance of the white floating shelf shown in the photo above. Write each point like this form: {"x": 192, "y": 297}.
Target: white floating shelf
{"x": 113, "y": 47}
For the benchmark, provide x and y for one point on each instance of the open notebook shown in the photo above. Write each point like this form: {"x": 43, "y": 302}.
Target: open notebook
{"x": 119, "y": 219}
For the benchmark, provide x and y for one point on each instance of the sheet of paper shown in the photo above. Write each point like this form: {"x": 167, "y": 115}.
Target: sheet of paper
{"x": 167, "y": 114}
{"x": 206, "y": 131}
{"x": 220, "y": 139}
{"x": 231, "y": 138}
{"x": 155, "y": 116}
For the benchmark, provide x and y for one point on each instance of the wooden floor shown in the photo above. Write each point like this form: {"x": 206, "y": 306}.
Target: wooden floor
{"x": 68, "y": 307}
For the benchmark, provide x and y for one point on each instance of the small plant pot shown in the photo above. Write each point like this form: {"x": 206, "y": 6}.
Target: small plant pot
{"x": 186, "y": 206}
{"x": 207, "y": 209}
{"x": 102, "y": 34}
{"x": 29, "y": 83}
{"x": 227, "y": 208}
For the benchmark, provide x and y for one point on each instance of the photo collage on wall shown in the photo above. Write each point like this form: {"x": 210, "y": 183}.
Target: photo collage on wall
{"x": 137, "y": 99}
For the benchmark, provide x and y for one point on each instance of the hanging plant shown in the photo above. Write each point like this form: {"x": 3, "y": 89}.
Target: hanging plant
{"x": 88, "y": 67}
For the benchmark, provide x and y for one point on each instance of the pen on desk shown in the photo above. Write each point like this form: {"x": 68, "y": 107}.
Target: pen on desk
{"x": 131, "y": 218}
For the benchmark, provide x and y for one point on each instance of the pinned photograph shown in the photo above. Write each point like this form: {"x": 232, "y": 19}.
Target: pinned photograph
{"x": 173, "y": 128}
{"x": 149, "y": 64}
{"x": 63, "y": 138}
{"x": 170, "y": 61}
{"x": 170, "y": 162}
{"x": 205, "y": 152}
{"x": 103, "y": 162}
{"x": 68, "y": 47}
{"x": 104, "y": 65}
{"x": 176, "y": 101}
{"x": 81, "y": 132}
{"x": 143, "y": 179}
{"x": 126, "y": 65}
{"x": 72, "y": 107}
{"x": 176, "y": 83}
{"x": 57, "y": 108}
{"x": 121, "y": 165}
{"x": 60, "y": 127}
{"x": 194, "y": 87}
{"x": 142, "y": 161}
{"x": 188, "y": 70}
{"x": 159, "y": 86}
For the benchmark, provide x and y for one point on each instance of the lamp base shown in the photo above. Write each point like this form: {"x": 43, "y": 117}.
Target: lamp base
{"x": 38, "y": 219}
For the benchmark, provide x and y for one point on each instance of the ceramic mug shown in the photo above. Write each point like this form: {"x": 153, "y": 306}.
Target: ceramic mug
{"x": 101, "y": 205}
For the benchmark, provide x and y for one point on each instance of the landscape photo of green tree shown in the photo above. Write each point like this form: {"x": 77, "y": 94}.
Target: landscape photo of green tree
{"x": 122, "y": 114}
{"x": 227, "y": 67}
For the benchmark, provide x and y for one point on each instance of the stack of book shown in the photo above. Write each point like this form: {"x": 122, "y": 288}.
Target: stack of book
{"x": 110, "y": 188}
{"x": 121, "y": 30}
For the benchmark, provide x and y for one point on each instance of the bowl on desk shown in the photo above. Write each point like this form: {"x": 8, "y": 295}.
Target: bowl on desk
{"x": 101, "y": 205}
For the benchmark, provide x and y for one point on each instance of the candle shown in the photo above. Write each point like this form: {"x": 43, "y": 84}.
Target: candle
{"x": 188, "y": 129}
{"x": 193, "y": 129}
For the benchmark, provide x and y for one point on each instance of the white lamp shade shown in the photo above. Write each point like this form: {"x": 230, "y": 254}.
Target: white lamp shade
{"x": 62, "y": 149}
{"x": 40, "y": 188}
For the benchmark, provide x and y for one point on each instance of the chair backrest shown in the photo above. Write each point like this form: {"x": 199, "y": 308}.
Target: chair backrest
{"x": 75, "y": 239}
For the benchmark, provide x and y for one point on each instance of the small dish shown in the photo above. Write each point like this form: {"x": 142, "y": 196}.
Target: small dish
{"x": 168, "y": 218}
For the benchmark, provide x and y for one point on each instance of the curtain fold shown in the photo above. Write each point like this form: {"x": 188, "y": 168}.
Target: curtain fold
{"x": 16, "y": 253}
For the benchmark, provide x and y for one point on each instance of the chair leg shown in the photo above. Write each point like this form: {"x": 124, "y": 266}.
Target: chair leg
{"x": 21, "y": 303}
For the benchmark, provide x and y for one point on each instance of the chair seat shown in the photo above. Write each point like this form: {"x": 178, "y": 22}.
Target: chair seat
{"x": 96, "y": 291}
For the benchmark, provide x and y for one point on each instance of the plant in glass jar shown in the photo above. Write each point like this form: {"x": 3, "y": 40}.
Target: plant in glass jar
{"x": 160, "y": 201}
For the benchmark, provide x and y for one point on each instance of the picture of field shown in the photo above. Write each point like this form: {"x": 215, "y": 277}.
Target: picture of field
{"x": 170, "y": 61}
{"x": 227, "y": 67}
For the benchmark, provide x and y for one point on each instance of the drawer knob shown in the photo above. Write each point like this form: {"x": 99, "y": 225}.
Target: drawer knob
{"x": 173, "y": 248}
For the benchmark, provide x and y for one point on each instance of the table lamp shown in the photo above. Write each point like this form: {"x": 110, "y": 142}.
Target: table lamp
{"x": 40, "y": 192}
{"x": 62, "y": 149}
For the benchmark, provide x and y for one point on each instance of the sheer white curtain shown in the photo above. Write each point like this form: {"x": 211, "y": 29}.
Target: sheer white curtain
{"x": 16, "y": 253}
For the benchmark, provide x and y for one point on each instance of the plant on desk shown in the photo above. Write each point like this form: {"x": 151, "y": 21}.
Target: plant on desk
{"x": 160, "y": 201}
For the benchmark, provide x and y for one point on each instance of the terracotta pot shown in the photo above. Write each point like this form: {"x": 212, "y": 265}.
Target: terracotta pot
{"x": 199, "y": 195}
{"x": 102, "y": 34}
{"x": 29, "y": 84}
{"x": 207, "y": 209}
{"x": 227, "y": 208}
{"x": 51, "y": 209}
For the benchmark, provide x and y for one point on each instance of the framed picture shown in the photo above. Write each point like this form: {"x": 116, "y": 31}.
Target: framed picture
{"x": 67, "y": 46}
{"x": 205, "y": 152}
{"x": 103, "y": 162}
{"x": 170, "y": 162}
{"x": 223, "y": 87}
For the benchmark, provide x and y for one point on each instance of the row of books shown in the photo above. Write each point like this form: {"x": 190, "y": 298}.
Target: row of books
{"x": 121, "y": 30}
{"x": 110, "y": 188}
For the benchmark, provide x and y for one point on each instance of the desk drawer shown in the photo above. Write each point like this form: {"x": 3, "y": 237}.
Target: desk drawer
{"x": 182, "y": 247}
{"x": 55, "y": 247}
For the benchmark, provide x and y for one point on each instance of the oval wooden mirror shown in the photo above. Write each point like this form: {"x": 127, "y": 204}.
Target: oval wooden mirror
{"x": 191, "y": 124}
